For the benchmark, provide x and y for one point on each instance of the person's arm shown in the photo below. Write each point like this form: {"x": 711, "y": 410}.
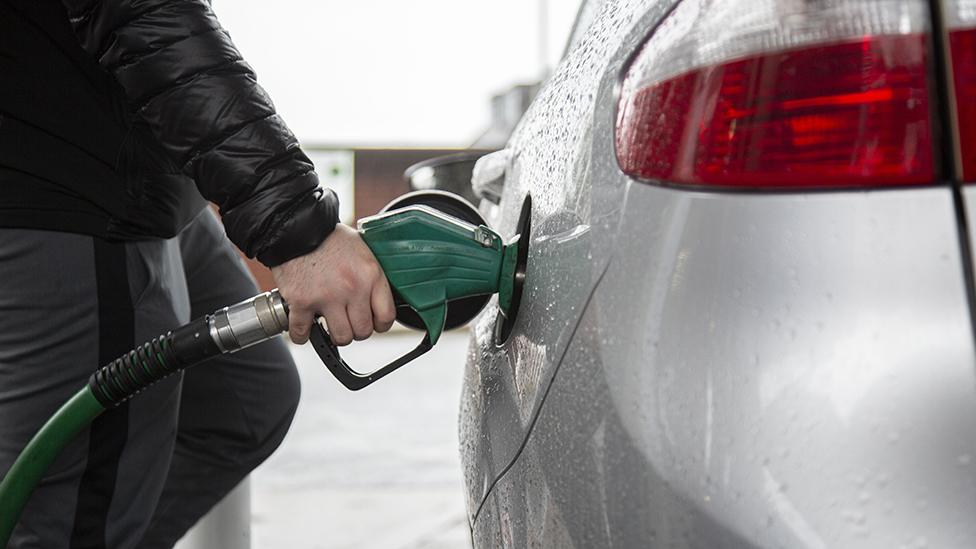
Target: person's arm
{"x": 182, "y": 74}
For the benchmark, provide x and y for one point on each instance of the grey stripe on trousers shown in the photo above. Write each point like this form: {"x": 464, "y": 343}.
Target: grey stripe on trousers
{"x": 160, "y": 463}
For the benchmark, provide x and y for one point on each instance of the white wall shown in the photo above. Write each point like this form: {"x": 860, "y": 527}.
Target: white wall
{"x": 389, "y": 72}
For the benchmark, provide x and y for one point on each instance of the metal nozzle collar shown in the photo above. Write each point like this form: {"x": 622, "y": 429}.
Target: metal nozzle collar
{"x": 249, "y": 322}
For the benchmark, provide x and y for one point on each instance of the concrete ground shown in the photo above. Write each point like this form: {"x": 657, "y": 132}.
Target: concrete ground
{"x": 376, "y": 468}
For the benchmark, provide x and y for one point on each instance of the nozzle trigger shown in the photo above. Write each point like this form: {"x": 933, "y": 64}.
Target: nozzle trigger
{"x": 353, "y": 380}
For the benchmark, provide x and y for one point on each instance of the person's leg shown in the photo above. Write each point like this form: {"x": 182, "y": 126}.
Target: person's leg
{"x": 68, "y": 304}
{"x": 235, "y": 409}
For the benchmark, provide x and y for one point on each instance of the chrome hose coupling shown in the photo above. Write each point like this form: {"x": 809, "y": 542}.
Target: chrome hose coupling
{"x": 251, "y": 321}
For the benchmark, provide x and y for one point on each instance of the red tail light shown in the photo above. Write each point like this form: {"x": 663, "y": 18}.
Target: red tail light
{"x": 963, "y": 44}
{"x": 963, "y": 47}
{"x": 813, "y": 111}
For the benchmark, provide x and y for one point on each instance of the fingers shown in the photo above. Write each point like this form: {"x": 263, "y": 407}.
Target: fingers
{"x": 340, "y": 280}
{"x": 339, "y": 327}
{"x": 384, "y": 311}
{"x": 299, "y": 326}
{"x": 360, "y": 318}
{"x": 347, "y": 320}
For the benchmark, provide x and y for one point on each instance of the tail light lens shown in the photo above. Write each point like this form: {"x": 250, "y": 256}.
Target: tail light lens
{"x": 961, "y": 19}
{"x": 781, "y": 95}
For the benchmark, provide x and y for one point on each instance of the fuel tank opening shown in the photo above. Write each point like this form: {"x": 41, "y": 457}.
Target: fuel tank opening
{"x": 506, "y": 318}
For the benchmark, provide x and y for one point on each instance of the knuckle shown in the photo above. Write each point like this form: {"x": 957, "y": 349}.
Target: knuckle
{"x": 362, "y": 330}
{"x": 347, "y": 272}
{"x": 340, "y": 332}
{"x": 372, "y": 271}
{"x": 329, "y": 296}
{"x": 362, "y": 322}
{"x": 347, "y": 284}
{"x": 384, "y": 320}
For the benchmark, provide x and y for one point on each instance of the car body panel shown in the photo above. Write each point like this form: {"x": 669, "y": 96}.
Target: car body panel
{"x": 715, "y": 369}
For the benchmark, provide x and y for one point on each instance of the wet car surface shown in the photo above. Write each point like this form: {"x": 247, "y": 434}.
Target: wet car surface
{"x": 703, "y": 368}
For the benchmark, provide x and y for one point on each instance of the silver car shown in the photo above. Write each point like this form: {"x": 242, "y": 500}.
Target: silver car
{"x": 747, "y": 318}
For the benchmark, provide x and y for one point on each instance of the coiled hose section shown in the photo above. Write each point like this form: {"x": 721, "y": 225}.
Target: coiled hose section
{"x": 108, "y": 387}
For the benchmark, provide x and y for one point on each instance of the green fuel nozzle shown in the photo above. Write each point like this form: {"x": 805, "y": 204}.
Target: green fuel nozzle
{"x": 436, "y": 260}
{"x": 430, "y": 260}
{"x": 433, "y": 260}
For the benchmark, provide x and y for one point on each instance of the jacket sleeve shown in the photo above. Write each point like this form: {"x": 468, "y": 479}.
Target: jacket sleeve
{"x": 183, "y": 75}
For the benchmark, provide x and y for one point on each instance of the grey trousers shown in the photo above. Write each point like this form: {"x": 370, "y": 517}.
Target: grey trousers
{"x": 144, "y": 472}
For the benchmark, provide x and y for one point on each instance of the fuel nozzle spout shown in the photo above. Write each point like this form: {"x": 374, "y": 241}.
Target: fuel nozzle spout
{"x": 512, "y": 276}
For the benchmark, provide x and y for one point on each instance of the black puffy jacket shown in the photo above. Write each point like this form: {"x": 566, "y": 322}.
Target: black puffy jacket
{"x": 110, "y": 135}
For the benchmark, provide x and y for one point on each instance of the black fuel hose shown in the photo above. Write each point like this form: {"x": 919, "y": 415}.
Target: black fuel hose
{"x": 155, "y": 360}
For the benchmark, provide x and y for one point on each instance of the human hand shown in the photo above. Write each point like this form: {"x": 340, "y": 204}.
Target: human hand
{"x": 341, "y": 281}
